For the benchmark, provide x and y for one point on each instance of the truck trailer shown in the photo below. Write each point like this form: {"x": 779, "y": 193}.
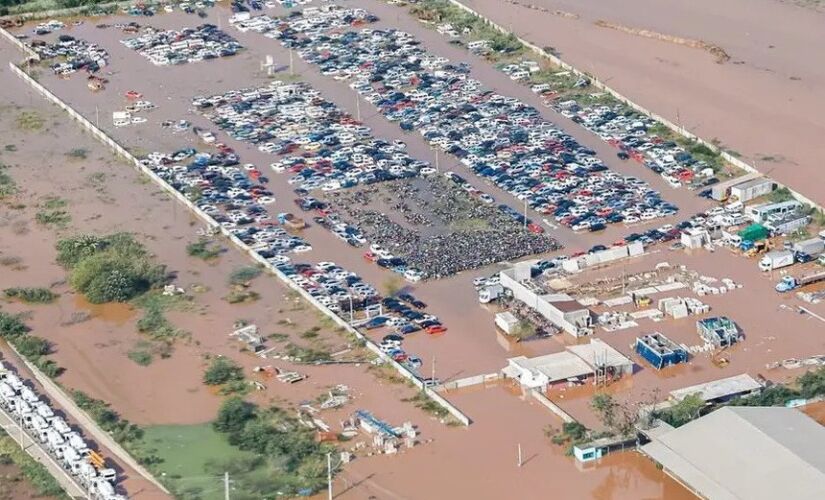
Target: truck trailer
{"x": 776, "y": 260}
{"x": 812, "y": 247}
{"x": 788, "y": 283}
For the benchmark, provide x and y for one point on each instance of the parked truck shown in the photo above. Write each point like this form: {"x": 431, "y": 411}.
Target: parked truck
{"x": 490, "y": 293}
{"x": 776, "y": 260}
{"x": 788, "y": 283}
{"x": 811, "y": 247}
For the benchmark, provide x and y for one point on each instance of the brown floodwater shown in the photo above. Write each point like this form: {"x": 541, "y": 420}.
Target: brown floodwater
{"x": 117, "y": 313}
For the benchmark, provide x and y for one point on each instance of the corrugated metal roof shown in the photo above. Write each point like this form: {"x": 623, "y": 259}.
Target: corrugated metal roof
{"x": 747, "y": 453}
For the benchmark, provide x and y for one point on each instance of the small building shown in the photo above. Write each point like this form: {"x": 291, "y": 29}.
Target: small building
{"x": 660, "y": 351}
{"x": 594, "y": 450}
{"x": 506, "y": 321}
{"x": 695, "y": 237}
{"x": 754, "y": 453}
{"x": 574, "y": 365}
{"x": 721, "y": 390}
{"x": 719, "y": 331}
{"x": 721, "y": 190}
{"x": 749, "y": 190}
{"x": 760, "y": 213}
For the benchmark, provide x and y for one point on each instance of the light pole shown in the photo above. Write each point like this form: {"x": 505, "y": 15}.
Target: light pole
{"x": 329, "y": 476}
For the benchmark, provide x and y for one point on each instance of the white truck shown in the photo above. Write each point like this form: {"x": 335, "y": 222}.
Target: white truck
{"x": 776, "y": 260}
{"x": 507, "y": 322}
{"x": 490, "y": 293}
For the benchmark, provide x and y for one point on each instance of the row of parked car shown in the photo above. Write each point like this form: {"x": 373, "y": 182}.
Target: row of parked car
{"x": 75, "y": 54}
{"x": 189, "y": 45}
{"x": 498, "y": 137}
{"x": 234, "y": 195}
{"x": 54, "y": 435}
{"x": 351, "y": 298}
{"x": 324, "y": 147}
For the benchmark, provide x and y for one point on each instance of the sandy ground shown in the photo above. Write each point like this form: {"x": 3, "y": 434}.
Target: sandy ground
{"x": 13, "y": 485}
{"x": 766, "y": 103}
{"x": 478, "y": 461}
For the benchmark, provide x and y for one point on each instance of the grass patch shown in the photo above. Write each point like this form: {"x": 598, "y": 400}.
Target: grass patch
{"x": 242, "y": 296}
{"x": 306, "y": 354}
{"x": 186, "y": 455}
{"x": 30, "y": 121}
{"x": 36, "y": 474}
{"x": 35, "y": 349}
{"x": 153, "y": 322}
{"x": 7, "y": 185}
{"x": 77, "y": 154}
{"x": 420, "y": 400}
{"x": 59, "y": 218}
{"x": 31, "y": 295}
{"x": 141, "y": 356}
{"x": 204, "y": 249}
{"x": 244, "y": 275}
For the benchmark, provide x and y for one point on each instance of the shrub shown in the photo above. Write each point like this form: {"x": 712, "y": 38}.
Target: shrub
{"x": 203, "y": 249}
{"x": 31, "y": 295}
{"x": 221, "y": 371}
{"x": 243, "y": 275}
{"x": 113, "y": 268}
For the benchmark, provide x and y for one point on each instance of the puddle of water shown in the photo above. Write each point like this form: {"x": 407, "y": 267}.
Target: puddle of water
{"x": 111, "y": 312}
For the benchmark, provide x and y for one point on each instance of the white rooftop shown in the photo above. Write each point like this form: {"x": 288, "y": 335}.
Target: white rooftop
{"x": 588, "y": 353}
{"x": 746, "y": 453}
{"x": 558, "y": 366}
{"x": 721, "y": 388}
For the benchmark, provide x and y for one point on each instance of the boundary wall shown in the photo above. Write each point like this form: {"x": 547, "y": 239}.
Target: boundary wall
{"x": 602, "y": 86}
{"x": 206, "y": 219}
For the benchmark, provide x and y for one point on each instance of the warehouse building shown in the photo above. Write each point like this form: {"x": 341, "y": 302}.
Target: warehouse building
{"x": 722, "y": 190}
{"x": 738, "y": 453}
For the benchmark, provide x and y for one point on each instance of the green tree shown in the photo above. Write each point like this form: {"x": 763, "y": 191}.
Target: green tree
{"x": 686, "y": 410}
{"x": 233, "y": 415}
{"x": 221, "y": 371}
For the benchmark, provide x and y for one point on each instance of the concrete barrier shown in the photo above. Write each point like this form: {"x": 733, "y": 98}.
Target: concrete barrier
{"x": 19, "y": 44}
{"x": 469, "y": 381}
{"x": 603, "y": 87}
{"x": 121, "y": 151}
{"x": 541, "y": 398}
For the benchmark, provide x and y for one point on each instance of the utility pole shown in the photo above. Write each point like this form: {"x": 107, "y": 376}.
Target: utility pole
{"x": 226, "y": 486}
{"x": 329, "y": 475}
{"x": 97, "y": 117}
{"x": 437, "y": 166}
{"x": 20, "y": 423}
{"x": 520, "y": 463}
{"x": 291, "y": 65}
{"x": 433, "y": 374}
{"x": 357, "y": 107}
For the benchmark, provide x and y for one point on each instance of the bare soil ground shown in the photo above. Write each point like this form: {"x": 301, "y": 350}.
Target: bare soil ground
{"x": 13, "y": 485}
{"x": 765, "y": 103}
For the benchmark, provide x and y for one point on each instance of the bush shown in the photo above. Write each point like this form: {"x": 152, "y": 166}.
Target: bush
{"x": 233, "y": 415}
{"x": 7, "y": 184}
{"x": 203, "y": 249}
{"x": 31, "y": 295}
{"x": 221, "y": 371}
{"x": 242, "y": 275}
{"x": 113, "y": 268}
{"x": 122, "y": 430}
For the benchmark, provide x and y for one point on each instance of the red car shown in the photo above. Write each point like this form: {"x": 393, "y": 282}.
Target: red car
{"x": 535, "y": 228}
{"x": 370, "y": 257}
{"x": 432, "y": 330}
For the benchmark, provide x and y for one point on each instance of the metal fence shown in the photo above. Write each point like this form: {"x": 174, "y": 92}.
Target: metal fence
{"x": 121, "y": 151}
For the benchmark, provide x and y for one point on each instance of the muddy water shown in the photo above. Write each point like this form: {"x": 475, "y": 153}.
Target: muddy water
{"x": 117, "y": 313}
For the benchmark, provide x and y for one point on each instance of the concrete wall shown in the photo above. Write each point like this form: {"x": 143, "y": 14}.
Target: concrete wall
{"x": 206, "y": 219}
